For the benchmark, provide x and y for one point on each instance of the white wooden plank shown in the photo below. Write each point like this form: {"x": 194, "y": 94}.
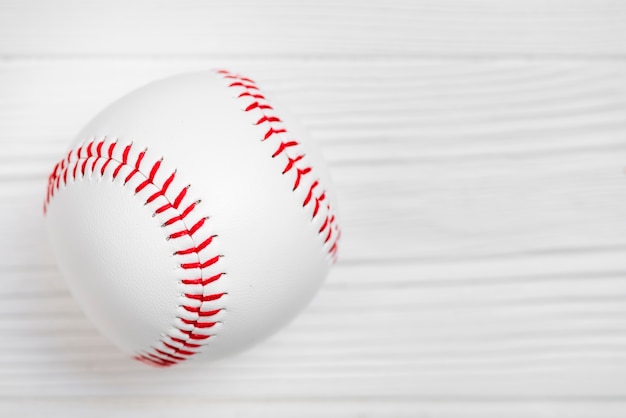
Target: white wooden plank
{"x": 553, "y": 28}
{"x": 442, "y": 408}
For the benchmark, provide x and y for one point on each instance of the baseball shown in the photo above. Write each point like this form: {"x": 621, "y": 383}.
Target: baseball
{"x": 192, "y": 218}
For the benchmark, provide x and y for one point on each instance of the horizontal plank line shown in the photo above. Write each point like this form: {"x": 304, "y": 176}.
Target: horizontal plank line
{"x": 402, "y": 261}
{"x": 319, "y": 365}
{"x": 169, "y": 400}
{"x": 469, "y": 280}
{"x": 518, "y": 155}
{"x": 337, "y": 57}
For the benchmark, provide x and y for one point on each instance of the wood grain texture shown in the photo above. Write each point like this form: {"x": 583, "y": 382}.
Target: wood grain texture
{"x": 168, "y": 407}
{"x": 483, "y": 250}
{"x": 552, "y": 28}
{"x": 482, "y": 271}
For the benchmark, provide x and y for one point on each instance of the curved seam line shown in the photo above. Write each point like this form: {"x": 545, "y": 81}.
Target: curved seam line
{"x": 160, "y": 358}
{"x": 277, "y": 127}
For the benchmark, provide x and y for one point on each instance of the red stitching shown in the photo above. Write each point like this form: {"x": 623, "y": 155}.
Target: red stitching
{"x": 256, "y": 105}
{"x": 109, "y": 159}
{"x": 291, "y": 162}
{"x": 190, "y": 231}
{"x": 193, "y": 336}
{"x": 99, "y": 148}
{"x": 180, "y": 351}
{"x": 198, "y": 248}
{"x": 180, "y": 197}
{"x": 249, "y": 84}
{"x": 200, "y": 265}
{"x": 182, "y": 216}
{"x": 202, "y": 281}
{"x": 73, "y": 174}
{"x": 325, "y": 224}
{"x": 265, "y": 119}
{"x": 318, "y": 201}
{"x": 271, "y": 131}
{"x": 300, "y": 173}
{"x": 289, "y": 149}
{"x": 171, "y": 356}
{"x": 205, "y": 314}
{"x": 150, "y": 178}
{"x": 249, "y": 94}
{"x": 283, "y": 146}
{"x": 309, "y": 195}
{"x": 82, "y": 167}
{"x": 185, "y": 343}
{"x": 197, "y": 310}
{"x": 179, "y": 348}
{"x": 125, "y": 153}
{"x": 205, "y": 298}
{"x": 200, "y": 324}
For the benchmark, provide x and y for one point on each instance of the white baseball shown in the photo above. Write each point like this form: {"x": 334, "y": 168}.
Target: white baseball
{"x": 191, "y": 218}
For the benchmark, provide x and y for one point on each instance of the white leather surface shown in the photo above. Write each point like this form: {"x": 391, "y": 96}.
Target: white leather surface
{"x": 115, "y": 256}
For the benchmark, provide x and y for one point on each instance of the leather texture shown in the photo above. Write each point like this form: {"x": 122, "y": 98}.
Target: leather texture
{"x": 117, "y": 256}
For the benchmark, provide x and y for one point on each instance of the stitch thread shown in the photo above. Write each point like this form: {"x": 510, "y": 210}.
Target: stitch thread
{"x": 289, "y": 149}
{"x": 191, "y": 336}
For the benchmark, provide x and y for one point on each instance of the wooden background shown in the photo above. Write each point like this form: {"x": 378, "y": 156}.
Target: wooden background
{"x": 478, "y": 148}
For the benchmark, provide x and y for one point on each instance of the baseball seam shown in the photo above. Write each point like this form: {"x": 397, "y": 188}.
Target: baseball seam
{"x": 285, "y": 147}
{"x": 199, "y": 311}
